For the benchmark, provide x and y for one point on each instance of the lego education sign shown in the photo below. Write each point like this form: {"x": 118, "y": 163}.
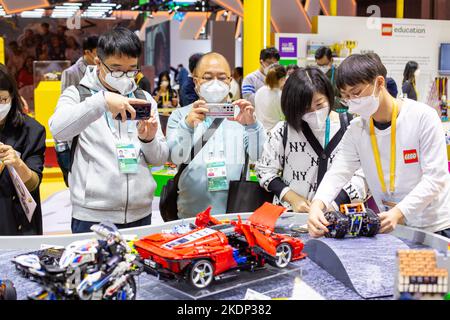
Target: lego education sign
{"x": 288, "y": 47}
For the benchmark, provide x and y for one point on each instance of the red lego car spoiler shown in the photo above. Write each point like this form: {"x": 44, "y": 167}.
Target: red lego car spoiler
{"x": 267, "y": 215}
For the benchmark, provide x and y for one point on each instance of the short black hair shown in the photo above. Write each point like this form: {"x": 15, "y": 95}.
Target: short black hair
{"x": 269, "y": 53}
{"x": 15, "y": 116}
{"x": 292, "y": 67}
{"x": 240, "y": 71}
{"x": 298, "y": 92}
{"x": 119, "y": 41}
{"x": 359, "y": 69}
{"x": 193, "y": 61}
{"x": 324, "y": 52}
{"x": 90, "y": 43}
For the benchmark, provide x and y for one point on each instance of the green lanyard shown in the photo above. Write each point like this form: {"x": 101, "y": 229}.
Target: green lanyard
{"x": 327, "y": 132}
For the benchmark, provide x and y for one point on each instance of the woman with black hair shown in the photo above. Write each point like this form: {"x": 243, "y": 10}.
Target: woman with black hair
{"x": 400, "y": 146}
{"x": 22, "y": 147}
{"x": 410, "y": 76}
{"x": 298, "y": 151}
{"x": 164, "y": 94}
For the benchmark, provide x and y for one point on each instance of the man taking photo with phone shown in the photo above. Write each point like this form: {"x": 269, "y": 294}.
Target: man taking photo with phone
{"x": 110, "y": 179}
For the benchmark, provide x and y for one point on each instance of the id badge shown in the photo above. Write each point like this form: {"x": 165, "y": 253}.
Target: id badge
{"x": 127, "y": 158}
{"x": 216, "y": 172}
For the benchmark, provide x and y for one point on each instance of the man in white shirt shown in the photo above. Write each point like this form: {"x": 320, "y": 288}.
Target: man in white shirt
{"x": 400, "y": 145}
{"x": 255, "y": 80}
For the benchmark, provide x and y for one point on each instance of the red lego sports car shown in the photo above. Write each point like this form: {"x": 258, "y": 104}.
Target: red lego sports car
{"x": 211, "y": 248}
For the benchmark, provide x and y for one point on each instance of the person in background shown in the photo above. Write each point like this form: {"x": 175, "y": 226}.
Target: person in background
{"x": 15, "y": 59}
{"x": 290, "y": 69}
{"x": 28, "y": 42}
{"x": 407, "y": 173}
{"x": 25, "y": 77}
{"x": 104, "y": 187}
{"x": 236, "y": 84}
{"x": 289, "y": 165}
{"x": 73, "y": 50}
{"x": 42, "y": 51}
{"x": 61, "y": 34}
{"x": 73, "y": 75}
{"x": 255, "y": 80}
{"x": 45, "y": 33}
{"x": 22, "y": 147}
{"x": 182, "y": 75}
{"x": 226, "y": 148}
{"x": 324, "y": 61}
{"x": 163, "y": 94}
{"x": 56, "y": 49}
{"x": 268, "y": 98}
{"x": 188, "y": 95}
{"x": 142, "y": 82}
{"x": 409, "y": 84}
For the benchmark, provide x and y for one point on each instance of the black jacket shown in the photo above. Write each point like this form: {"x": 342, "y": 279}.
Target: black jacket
{"x": 29, "y": 140}
{"x": 188, "y": 95}
{"x": 409, "y": 90}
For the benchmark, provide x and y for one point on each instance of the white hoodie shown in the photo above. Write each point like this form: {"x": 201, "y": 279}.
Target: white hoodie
{"x": 422, "y": 180}
{"x": 99, "y": 191}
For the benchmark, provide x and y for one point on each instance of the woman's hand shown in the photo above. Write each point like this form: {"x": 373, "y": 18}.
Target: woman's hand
{"x": 297, "y": 202}
{"x": 316, "y": 221}
{"x": 390, "y": 219}
{"x": 9, "y": 156}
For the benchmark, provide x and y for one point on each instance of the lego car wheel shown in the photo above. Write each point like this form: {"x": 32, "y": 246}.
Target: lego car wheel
{"x": 283, "y": 256}
{"x": 7, "y": 291}
{"x": 201, "y": 274}
{"x": 338, "y": 224}
{"x": 371, "y": 225}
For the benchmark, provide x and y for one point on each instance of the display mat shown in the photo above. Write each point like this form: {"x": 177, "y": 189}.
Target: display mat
{"x": 367, "y": 265}
{"x": 280, "y": 286}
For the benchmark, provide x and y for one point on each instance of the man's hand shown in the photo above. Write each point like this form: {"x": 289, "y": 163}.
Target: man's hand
{"x": 316, "y": 221}
{"x": 197, "y": 114}
{"x": 390, "y": 219}
{"x": 246, "y": 114}
{"x": 297, "y": 202}
{"x": 118, "y": 104}
{"x": 147, "y": 129}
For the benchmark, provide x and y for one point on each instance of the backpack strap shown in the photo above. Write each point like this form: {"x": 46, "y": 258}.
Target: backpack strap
{"x": 84, "y": 92}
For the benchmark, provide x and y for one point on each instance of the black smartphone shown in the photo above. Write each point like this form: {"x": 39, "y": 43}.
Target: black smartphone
{"x": 143, "y": 112}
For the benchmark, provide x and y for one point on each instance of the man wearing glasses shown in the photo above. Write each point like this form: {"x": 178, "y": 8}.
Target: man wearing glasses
{"x": 205, "y": 180}
{"x": 105, "y": 186}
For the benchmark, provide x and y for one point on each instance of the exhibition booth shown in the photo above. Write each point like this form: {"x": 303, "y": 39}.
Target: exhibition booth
{"x": 262, "y": 255}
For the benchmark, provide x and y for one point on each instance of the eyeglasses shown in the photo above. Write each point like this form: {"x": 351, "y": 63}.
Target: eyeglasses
{"x": 345, "y": 101}
{"x": 223, "y": 78}
{"x": 119, "y": 73}
{"x": 4, "y": 100}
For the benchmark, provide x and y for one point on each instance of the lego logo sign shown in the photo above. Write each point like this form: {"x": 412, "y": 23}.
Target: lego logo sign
{"x": 410, "y": 156}
{"x": 387, "y": 29}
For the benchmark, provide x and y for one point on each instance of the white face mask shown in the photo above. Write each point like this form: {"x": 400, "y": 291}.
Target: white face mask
{"x": 317, "y": 119}
{"x": 214, "y": 91}
{"x": 364, "y": 106}
{"x": 164, "y": 84}
{"x": 324, "y": 69}
{"x": 4, "y": 110}
{"x": 123, "y": 84}
{"x": 266, "y": 69}
{"x": 417, "y": 74}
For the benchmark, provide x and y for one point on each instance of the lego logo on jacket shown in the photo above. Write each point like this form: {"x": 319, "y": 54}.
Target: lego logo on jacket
{"x": 410, "y": 156}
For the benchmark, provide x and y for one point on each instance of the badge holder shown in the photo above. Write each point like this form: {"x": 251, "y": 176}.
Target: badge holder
{"x": 216, "y": 172}
{"x": 127, "y": 157}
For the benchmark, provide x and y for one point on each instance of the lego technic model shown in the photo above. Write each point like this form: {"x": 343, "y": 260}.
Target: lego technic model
{"x": 7, "y": 290}
{"x": 353, "y": 220}
{"x": 212, "y": 250}
{"x": 419, "y": 277}
{"x": 86, "y": 270}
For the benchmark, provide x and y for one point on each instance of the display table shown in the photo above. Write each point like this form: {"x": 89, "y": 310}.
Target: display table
{"x": 281, "y": 286}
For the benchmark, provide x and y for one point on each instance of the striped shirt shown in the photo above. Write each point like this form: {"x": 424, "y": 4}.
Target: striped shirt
{"x": 252, "y": 83}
